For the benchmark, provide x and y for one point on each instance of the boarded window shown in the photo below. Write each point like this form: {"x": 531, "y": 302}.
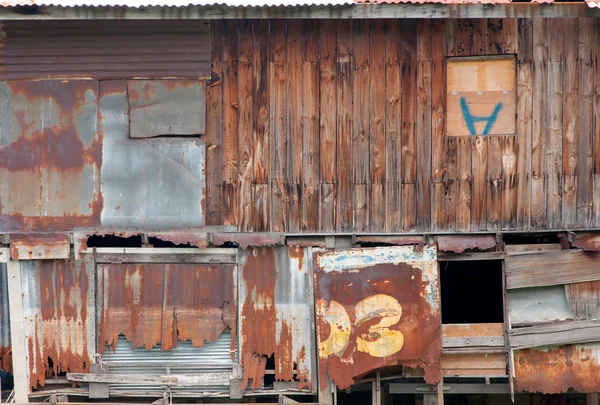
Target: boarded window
{"x": 481, "y": 96}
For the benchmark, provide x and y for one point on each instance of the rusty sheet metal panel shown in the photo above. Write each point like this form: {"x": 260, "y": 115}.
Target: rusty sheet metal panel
{"x": 459, "y": 244}
{"x": 147, "y": 183}
{"x": 166, "y": 107}
{"x": 165, "y": 303}
{"x": 50, "y": 156}
{"x": 39, "y": 246}
{"x": 104, "y": 49}
{"x": 375, "y": 308}
{"x": 276, "y": 315}
{"x": 59, "y": 316}
{"x": 5, "y": 347}
{"x": 554, "y": 369}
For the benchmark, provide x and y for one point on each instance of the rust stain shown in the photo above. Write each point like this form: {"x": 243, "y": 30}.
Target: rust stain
{"x": 584, "y": 298}
{"x": 259, "y": 315}
{"x": 587, "y": 241}
{"x": 375, "y": 317}
{"x": 400, "y": 240}
{"x": 199, "y": 304}
{"x": 6, "y": 359}
{"x": 555, "y": 370}
{"x": 254, "y": 369}
{"x": 183, "y": 237}
{"x": 245, "y": 240}
{"x": 60, "y": 331}
{"x": 459, "y": 244}
{"x": 53, "y": 152}
{"x": 39, "y": 246}
{"x": 298, "y": 254}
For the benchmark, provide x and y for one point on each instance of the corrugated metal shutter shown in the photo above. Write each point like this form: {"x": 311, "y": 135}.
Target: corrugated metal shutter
{"x": 104, "y": 49}
{"x": 184, "y": 359}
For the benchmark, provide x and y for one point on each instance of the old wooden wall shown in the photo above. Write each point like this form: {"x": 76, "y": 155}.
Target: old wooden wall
{"x": 336, "y": 126}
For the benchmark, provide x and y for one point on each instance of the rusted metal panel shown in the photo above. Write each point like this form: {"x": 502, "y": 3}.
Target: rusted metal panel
{"x": 5, "y": 347}
{"x": 147, "y": 183}
{"x": 245, "y": 240}
{"x": 104, "y": 49}
{"x": 50, "y": 156}
{"x": 165, "y": 303}
{"x": 553, "y": 370}
{"x": 587, "y": 241}
{"x": 376, "y": 308}
{"x": 391, "y": 239}
{"x": 276, "y": 315}
{"x": 166, "y": 107}
{"x": 459, "y": 244}
{"x": 59, "y": 316}
{"x": 39, "y": 246}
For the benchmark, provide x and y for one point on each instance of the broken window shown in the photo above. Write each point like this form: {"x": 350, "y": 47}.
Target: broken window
{"x": 471, "y": 292}
{"x": 481, "y": 96}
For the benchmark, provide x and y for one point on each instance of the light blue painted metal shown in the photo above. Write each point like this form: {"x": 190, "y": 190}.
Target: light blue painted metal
{"x": 4, "y": 310}
{"x": 540, "y": 304}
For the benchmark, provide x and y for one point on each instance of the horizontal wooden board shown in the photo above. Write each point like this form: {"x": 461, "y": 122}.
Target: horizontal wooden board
{"x": 551, "y": 268}
{"x": 556, "y": 333}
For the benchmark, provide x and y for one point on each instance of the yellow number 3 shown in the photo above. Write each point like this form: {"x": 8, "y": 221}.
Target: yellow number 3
{"x": 382, "y": 341}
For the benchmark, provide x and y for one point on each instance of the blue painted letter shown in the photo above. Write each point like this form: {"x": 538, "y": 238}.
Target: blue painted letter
{"x": 470, "y": 120}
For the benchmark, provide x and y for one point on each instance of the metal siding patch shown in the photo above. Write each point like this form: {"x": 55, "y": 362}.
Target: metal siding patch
{"x": 375, "y": 308}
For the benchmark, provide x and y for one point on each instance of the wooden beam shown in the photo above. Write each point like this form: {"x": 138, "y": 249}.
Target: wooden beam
{"x": 551, "y": 268}
{"x": 448, "y": 389}
{"x": 470, "y": 256}
{"x": 556, "y": 333}
{"x": 350, "y": 11}
{"x": 170, "y": 380}
{"x": 473, "y": 341}
{"x": 164, "y": 255}
{"x": 17, "y": 333}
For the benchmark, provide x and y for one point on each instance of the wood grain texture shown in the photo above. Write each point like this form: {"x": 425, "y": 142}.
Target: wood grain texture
{"x": 423, "y": 145}
{"x": 361, "y": 100}
{"x": 328, "y": 102}
{"x": 479, "y": 162}
{"x": 494, "y": 182}
{"x": 524, "y": 135}
{"x": 596, "y": 106}
{"x": 464, "y": 176}
{"x": 230, "y": 103}
{"x": 408, "y": 59}
{"x": 556, "y": 333}
{"x": 509, "y": 184}
{"x": 451, "y": 182}
{"x": 501, "y": 36}
{"x": 260, "y": 102}
{"x": 551, "y": 268}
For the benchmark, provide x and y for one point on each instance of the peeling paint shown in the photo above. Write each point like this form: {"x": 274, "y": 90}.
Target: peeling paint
{"x": 377, "y": 308}
{"x": 39, "y": 246}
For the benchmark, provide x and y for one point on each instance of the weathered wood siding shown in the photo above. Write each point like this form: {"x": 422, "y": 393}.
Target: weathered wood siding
{"x": 339, "y": 126}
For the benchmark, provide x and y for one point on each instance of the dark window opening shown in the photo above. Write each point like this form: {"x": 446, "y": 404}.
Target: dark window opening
{"x": 524, "y": 239}
{"x": 471, "y": 291}
{"x": 114, "y": 241}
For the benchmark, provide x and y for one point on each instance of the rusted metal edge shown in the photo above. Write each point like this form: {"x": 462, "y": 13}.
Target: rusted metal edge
{"x": 244, "y": 240}
{"x": 32, "y": 246}
{"x": 460, "y": 243}
{"x": 587, "y": 241}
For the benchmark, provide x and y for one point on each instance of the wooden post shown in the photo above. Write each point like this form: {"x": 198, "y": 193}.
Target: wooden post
{"x": 325, "y": 395}
{"x": 17, "y": 333}
{"x": 591, "y": 399}
{"x": 376, "y": 390}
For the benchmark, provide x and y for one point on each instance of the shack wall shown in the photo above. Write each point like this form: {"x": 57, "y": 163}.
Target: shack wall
{"x": 340, "y": 126}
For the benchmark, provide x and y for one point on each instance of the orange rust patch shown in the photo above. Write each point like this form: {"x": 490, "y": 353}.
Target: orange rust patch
{"x": 556, "y": 370}
{"x": 297, "y": 253}
{"x": 199, "y": 304}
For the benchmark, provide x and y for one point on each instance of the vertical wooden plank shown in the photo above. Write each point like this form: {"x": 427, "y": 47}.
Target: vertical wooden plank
{"x": 260, "y": 101}
{"x": 245, "y": 151}
{"x": 553, "y": 137}
{"x": 360, "y": 112}
{"x": 540, "y": 123}
{"x": 570, "y": 121}
{"x": 494, "y": 183}
{"x": 423, "y": 124}
{"x": 230, "y": 124}
{"x": 596, "y": 55}
{"x": 524, "y": 120}
{"x": 509, "y": 184}
{"x": 260, "y": 209}
{"x": 451, "y": 180}
{"x": 230, "y": 102}
{"x": 328, "y": 124}
{"x": 463, "y": 207}
{"x": 393, "y": 127}
{"x": 438, "y": 120}
{"x": 295, "y": 151}
{"x": 452, "y": 36}
{"x": 310, "y": 129}
{"x": 479, "y": 162}
{"x": 214, "y": 130}
{"x": 377, "y": 138}
{"x": 279, "y": 127}
{"x": 501, "y": 36}
{"x": 345, "y": 67}
{"x": 585, "y": 146}
{"x": 471, "y": 37}
{"x": 408, "y": 115}
{"x": 328, "y": 101}
{"x": 359, "y": 207}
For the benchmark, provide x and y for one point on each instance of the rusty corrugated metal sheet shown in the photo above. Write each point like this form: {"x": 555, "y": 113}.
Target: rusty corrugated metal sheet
{"x": 104, "y": 49}
{"x": 556, "y": 369}
{"x": 154, "y": 303}
{"x": 375, "y": 308}
{"x": 59, "y": 315}
{"x": 276, "y": 315}
{"x": 459, "y": 244}
{"x": 50, "y": 155}
{"x": 5, "y": 346}
{"x": 39, "y": 246}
